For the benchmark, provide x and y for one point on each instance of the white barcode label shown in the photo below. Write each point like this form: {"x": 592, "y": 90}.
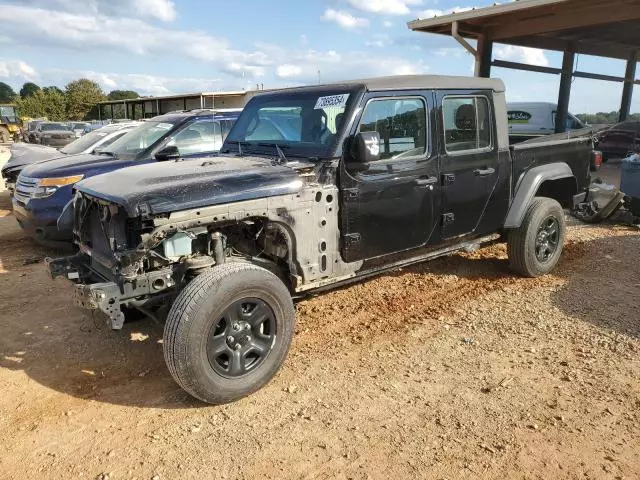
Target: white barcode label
{"x": 332, "y": 101}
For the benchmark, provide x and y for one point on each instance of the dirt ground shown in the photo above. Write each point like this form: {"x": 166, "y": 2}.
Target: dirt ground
{"x": 452, "y": 369}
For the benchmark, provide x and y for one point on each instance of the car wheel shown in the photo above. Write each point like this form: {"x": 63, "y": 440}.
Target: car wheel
{"x": 536, "y": 246}
{"x": 228, "y": 332}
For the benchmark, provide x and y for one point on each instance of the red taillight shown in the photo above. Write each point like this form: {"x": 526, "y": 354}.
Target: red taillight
{"x": 597, "y": 158}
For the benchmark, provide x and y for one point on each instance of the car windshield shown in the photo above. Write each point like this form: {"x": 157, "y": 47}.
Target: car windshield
{"x": 84, "y": 143}
{"x": 47, "y": 127}
{"x": 305, "y": 124}
{"x": 139, "y": 139}
{"x": 79, "y": 126}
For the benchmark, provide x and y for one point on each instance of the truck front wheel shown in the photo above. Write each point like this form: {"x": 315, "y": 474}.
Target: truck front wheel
{"x": 228, "y": 332}
{"x": 535, "y": 247}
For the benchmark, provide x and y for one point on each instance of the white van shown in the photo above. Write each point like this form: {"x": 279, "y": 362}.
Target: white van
{"x": 534, "y": 119}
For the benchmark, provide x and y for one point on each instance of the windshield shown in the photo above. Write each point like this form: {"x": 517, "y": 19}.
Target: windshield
{"x": 10, "y": 112}
{"x": 47, "y": 127}
{"x": 139, "y": 139}
{"x": 84, "y": 143}
{"x": 303, "y": 123}
{"x": 79, "y": 126}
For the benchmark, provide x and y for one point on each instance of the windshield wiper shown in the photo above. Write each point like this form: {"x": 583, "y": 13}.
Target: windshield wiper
{"x": 236, "y": 142}
{"x": 282, "y": 160}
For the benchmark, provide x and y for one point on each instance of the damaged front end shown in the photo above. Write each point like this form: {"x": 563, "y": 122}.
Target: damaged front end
{"x": 108, "y": 273}
{"x": 126, "y": 262}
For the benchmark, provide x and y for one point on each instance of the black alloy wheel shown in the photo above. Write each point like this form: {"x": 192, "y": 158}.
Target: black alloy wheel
{"x": 547, "y": 239}
{"x": 242, "y": 337}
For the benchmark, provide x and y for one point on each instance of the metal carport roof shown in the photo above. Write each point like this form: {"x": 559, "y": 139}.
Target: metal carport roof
{"x": 607, "y": 28}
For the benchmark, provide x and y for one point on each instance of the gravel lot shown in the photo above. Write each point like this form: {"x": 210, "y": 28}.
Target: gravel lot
{"x": 452, "y": 369}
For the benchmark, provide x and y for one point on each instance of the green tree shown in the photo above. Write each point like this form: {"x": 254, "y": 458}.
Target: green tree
{"x": 6, "y": 93}
{"x": 52, "y": 88}
{"x": 48, "y": 103}
{"x": 122, "y": 95}
{"x": 29, "y": 89}
{"x": 82, "y": 96}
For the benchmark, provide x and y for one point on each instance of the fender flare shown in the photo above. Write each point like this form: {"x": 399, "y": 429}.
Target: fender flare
{"x": 528, "y": 185}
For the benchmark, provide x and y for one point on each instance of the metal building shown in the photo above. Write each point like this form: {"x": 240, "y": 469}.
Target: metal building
{"x": 147, "y": 107}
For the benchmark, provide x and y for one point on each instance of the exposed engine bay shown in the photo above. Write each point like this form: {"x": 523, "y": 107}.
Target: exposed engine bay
{"x": 144, "y": 262}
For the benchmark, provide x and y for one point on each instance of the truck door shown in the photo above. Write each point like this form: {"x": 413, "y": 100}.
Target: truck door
{"x": 470, "y": 161}
{"x": 390, "y": 205}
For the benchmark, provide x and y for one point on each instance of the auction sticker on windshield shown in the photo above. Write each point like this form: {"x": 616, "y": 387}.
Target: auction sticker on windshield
{"x": 332, "y": 101}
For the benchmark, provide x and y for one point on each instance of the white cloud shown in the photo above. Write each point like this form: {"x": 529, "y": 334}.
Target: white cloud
{"x": 288, "y": 71}
{"x": 449, "y": 52}
{"x": 87, "y": 31}
{"x": 64, "y": 33}
{"x": 344, "y": 19}
{"x": 389, "y": 7}
{"x": 387, "y": 24}
{"x": 380, "y": 40}
{"x": 17, "y": 69}
{"x": 531, "y": 56}
{"x": 434, "y": 12}
{"x": 161, "y": 9}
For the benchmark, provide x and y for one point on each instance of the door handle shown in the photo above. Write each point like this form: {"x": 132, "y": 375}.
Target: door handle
{"x": 484, "y": 172}
{"x": 426, "y": 181}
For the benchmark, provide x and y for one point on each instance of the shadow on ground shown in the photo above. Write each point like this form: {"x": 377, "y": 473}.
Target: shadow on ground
{"x": 601, "y": 284}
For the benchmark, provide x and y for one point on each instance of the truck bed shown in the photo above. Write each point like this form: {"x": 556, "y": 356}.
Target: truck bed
{"x": 575, "y": 152}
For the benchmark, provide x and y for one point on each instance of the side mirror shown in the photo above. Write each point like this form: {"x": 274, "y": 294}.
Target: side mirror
{"x": 168, "y": 153}
{"x": 365, "y": 148}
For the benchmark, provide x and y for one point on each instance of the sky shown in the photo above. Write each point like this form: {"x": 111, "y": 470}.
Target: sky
{"x": 159, "y": 47}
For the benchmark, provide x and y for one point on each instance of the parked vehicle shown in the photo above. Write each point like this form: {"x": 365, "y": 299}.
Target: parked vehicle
{"x": 43, "y": 189}
{"x": 9, "y": 123}
{"x": 533, "y": 119}
{"x": 619, "y": 140}
{"x": 374, "y": 175}
{"x": 80, "y": 128}
{"x": 23, "y": 154}
{"x": 53, "y": 134}
{"x": 30, "y": 130}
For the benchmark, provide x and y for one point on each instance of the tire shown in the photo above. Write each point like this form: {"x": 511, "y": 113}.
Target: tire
{"x": 526, "y": 248}
{"x": 214, "y": 302}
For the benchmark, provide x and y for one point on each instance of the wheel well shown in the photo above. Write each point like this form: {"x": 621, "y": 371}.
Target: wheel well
{"x": 562, "y": 190}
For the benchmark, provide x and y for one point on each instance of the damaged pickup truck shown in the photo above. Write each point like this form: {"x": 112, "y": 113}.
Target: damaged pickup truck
{"x": 314, "y": 187}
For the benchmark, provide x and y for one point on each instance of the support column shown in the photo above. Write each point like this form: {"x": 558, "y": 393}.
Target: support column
{"x": 112, "y": 111}
{"x": 627, "y": 89}
{"x": 485, "y": 54}
{"x": 564, "y": 95}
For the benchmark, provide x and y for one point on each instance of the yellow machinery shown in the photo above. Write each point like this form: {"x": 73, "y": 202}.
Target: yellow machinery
{"x": 9, "y": 123}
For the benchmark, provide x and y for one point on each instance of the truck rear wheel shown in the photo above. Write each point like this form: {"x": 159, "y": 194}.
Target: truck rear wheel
{"x": 5, "y": 136}
{"x": 536, "y": 246}
{"x": 228, "y": 332}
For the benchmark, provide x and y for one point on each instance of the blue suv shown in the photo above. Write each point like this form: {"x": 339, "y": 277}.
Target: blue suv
{"x": 43, "y": 189}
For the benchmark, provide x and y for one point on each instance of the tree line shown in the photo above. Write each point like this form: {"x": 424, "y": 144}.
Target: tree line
{"x": 604, "y": 117}
{"x": 78, "y": 100}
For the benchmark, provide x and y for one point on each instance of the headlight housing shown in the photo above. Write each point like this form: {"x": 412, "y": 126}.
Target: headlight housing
{"x": 48, "y": 186}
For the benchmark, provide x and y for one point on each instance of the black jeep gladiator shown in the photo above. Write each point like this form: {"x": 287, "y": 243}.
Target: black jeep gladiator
{"x": 314, "y": 187}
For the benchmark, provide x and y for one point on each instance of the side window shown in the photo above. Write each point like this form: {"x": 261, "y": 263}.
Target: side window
{"x": 467, "y": 123}
{"x": 401, "y": 124}
{"x": 200, "y": 136}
